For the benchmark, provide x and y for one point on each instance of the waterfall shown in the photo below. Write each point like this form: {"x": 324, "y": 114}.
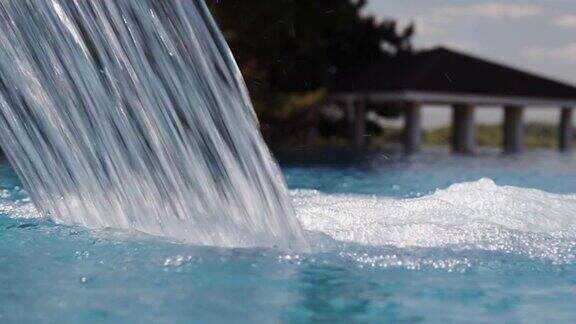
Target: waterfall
{"x": 132, "y": 114}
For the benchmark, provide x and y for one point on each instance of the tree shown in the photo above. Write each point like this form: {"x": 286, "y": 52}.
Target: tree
{"x": 297, "y": 44}
{"x": 288, "y": 47}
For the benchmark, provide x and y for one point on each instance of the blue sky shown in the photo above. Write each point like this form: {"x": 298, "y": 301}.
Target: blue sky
{"x": 538, "y": 35}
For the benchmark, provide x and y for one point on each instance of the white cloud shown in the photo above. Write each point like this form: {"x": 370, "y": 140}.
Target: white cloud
{"x": 568, "y": 21}
{"x": 493, "y": 10}
{"x": 565, "y": 53}
{"x": 458, "y": 44}
{"x": 440, "y": 20}
{"x": 425, "y": 25}
{"x": 464, "y": 45}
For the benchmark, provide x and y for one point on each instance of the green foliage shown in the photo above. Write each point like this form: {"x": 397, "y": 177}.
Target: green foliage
{"x": 437, "y": 137}
{"x": 295, "y": 45}
{"x": 490, "y": 135}
{"x": 541, "y": 135}
{"x": 387, "y": 138}
{"x": 537, "y": 135}
{"x": 294, "y": 118}
{"x": 288, "y": 50}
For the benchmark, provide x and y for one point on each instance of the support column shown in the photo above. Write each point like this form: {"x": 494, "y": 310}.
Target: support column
{"x": 412, "y": 128}
{"x": 350, "y": 115}
{"x": 349, "y": 106}
{"x": 360, "y": 124}
{"x": 463, "y": 129}
{"x": 513, "y": 129}
{"x": 565, "y": 130}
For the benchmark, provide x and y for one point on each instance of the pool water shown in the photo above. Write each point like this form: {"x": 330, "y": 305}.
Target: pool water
{"x": 430, "y": 238}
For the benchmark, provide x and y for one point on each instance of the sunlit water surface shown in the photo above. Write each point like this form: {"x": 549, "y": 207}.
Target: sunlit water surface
{"x": 426, "y": 239}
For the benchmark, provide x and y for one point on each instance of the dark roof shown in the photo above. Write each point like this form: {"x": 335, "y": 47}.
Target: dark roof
{"x": 445, "y": 71}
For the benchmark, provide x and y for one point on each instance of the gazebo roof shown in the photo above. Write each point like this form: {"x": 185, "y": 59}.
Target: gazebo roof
{"x": 445, "y": 75}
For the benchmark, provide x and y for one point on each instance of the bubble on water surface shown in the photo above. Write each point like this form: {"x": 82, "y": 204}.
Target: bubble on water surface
{"x": 475, "y": 215}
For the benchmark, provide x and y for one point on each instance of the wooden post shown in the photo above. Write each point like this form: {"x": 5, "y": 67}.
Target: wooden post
{"x": 565, "y": 130}
{"x": 412, "y": 128}
{"x": 513, "y": 129}
{"x": 349, "y": 106}
{"x": 360, "y": 124}
{"x": 463, "y": 130}
{"x": 350, "y": 114}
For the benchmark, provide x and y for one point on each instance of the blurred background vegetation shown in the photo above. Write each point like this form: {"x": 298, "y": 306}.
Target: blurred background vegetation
{"x": 536, "y": 135}
{"x": 288, "y": 51}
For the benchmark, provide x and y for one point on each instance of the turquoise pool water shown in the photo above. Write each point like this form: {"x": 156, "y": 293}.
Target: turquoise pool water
{"x": 431, "y": 238}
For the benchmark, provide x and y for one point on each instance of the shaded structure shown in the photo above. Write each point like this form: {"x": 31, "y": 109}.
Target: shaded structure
{"x": 446, "y": 77}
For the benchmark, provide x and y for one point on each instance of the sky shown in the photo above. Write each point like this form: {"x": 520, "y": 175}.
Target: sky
{"x": 535, "y": 35}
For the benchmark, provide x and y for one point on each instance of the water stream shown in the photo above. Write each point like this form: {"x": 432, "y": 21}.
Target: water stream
{"x": 132, "y": 114}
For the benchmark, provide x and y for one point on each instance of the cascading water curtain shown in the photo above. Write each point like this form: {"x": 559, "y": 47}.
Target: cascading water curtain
{"x": 132, "y": 114}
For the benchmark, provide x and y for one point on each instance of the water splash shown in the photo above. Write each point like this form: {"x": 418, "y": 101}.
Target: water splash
{"x": 467, "y": 216}
{"x": 447, "y": 228}
{"x": 132, "y": 114}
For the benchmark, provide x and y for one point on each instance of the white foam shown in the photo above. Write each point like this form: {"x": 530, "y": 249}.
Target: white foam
{"x": 480, "y": 213}
{"x": 476, "y": 215}
{"x": 16, "y": 204}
